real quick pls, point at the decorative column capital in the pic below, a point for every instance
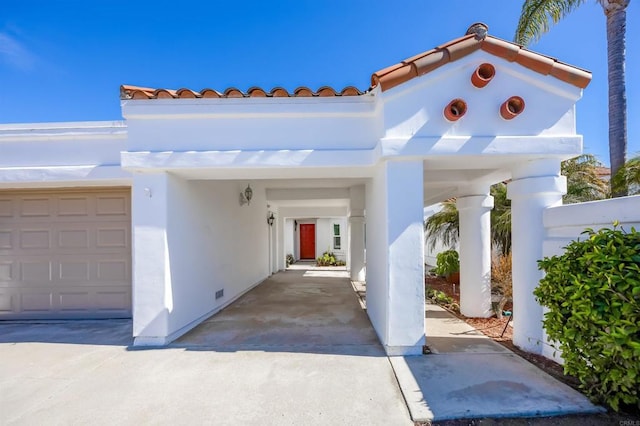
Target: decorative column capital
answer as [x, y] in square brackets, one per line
[474, 202]
[537, 186]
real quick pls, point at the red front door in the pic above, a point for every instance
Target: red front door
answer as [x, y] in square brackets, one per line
[307, 241]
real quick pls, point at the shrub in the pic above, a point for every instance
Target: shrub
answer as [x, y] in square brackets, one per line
[290, 259]
[501, 281]
[441, 298]
[593, 295]
[329, 259]
[447, 263]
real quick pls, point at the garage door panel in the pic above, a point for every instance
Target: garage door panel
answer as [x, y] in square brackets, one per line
[35, 207]
[37, 272]
[112, 237]
[35, 239]
[113, 300]
[6, 302]
[74, 301]
[6, 271]
[36, 301]
[113, 270]
[73, 206]
[73, 238]
[112, 206]
[6, 239]
[74, 271]
[65, 254]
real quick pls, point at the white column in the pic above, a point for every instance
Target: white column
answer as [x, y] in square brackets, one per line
[475, 255]
[536, 185]
[152, 295]
[395, 256]
[281, 263]
[356, 257]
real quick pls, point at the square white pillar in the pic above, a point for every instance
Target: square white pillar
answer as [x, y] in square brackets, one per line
[395, 256]
[152, 297]
[356, 258]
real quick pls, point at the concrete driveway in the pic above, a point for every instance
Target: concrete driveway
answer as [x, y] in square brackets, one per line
[325, 369]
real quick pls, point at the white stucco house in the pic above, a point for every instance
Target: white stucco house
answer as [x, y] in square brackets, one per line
[148, 217]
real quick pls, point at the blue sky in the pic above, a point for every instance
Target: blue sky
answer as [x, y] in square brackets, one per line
[65, 60]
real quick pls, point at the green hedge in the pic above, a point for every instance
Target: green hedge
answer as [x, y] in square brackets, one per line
[593, 295]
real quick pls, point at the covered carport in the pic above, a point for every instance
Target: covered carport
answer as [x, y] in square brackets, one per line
[314, 308]
[448, 122]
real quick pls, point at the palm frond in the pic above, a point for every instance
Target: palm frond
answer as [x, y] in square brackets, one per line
[537, 15]
[628, 177]
[443, 226]
[583, 182]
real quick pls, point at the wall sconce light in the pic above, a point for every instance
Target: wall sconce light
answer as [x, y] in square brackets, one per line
[245, 197]
[270, 218]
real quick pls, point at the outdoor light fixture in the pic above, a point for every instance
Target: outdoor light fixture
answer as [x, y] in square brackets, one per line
[270, 218]
[245, 197]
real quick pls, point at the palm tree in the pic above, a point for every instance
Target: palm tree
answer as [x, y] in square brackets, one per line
[501, 219]
[443, 226]
[629, 175]
[583, 182]
[534, 21]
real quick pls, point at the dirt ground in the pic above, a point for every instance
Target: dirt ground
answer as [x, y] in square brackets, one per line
[498, 330]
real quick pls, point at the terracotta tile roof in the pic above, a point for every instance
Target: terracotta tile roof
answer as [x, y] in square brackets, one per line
[135, 92]
[476, 38]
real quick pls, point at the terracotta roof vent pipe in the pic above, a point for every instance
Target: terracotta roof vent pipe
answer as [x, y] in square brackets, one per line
[512, 107]
[479, 29]
[483, 75]
[455, 110]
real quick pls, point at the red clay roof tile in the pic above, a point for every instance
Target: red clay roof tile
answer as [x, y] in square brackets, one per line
[394, 75]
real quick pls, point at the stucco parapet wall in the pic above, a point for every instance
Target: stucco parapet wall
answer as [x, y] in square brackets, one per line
[352, 106]
[624, 209]
[58, 176]
[536, 186]
[63, 130]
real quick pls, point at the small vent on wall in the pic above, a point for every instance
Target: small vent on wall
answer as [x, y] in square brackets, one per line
[219, 294]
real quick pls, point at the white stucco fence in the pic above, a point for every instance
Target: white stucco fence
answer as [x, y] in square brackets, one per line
[564, 224]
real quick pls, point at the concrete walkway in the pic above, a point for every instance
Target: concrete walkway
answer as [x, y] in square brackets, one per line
[468, 375]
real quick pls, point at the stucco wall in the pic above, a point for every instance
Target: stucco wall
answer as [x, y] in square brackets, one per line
[276, 123]
[377, 244]
[324, 237]
[564, 224]
[63, 154]
[289, 240]
[212, 244]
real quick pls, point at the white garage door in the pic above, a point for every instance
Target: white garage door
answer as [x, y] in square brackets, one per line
[65, 254]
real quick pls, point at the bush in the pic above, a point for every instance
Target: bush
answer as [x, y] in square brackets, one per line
[442, 299]
[290, 259]
[447, 263]
[329, 259]
[501, 281]
[593, 295]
